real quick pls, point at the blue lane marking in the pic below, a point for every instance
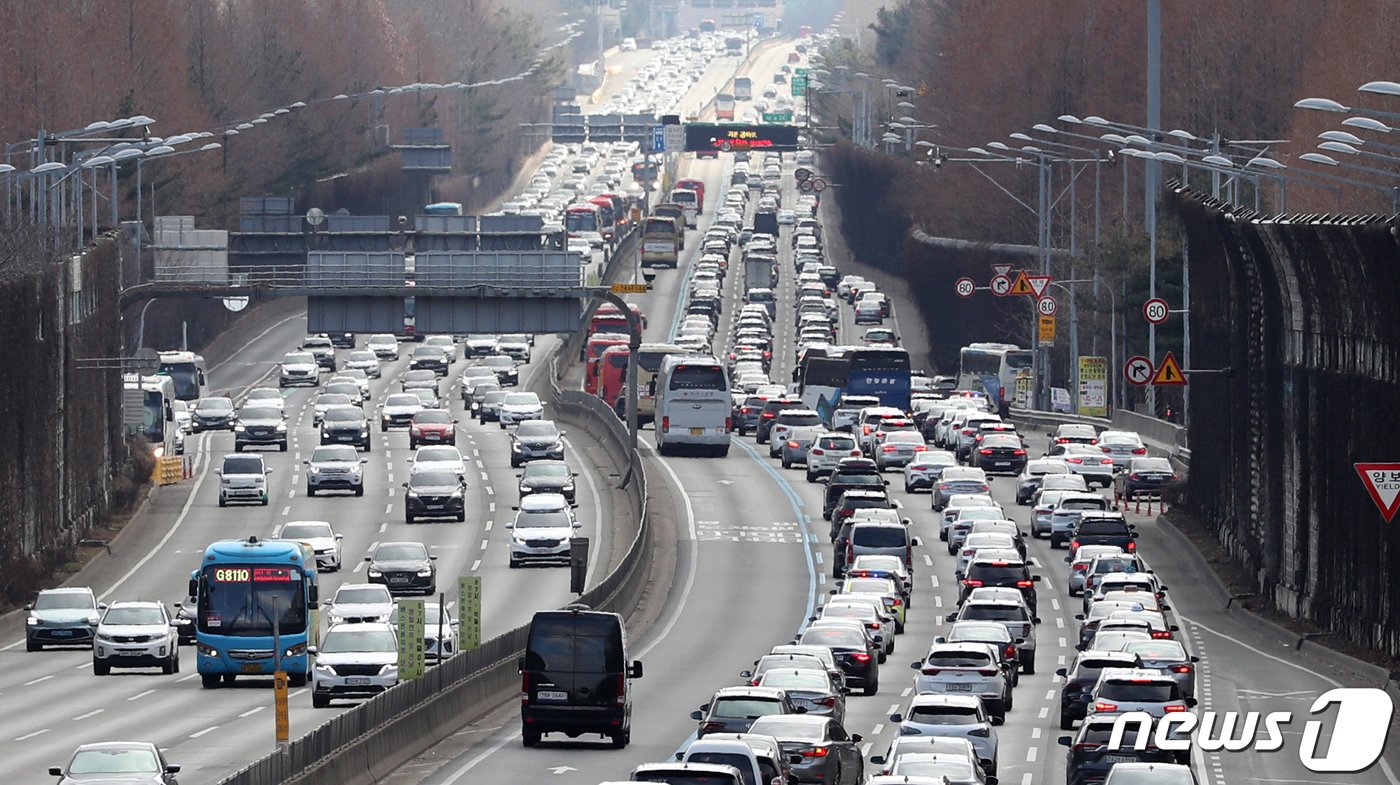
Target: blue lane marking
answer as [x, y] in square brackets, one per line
[807, 537]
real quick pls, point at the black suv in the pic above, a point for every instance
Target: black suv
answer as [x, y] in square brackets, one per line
[429, 358]
[999, 452]
[857, 499]
[1104, 528]
[1000, 571]
[345, 425]
[322, 349]
[769, 414]
[1080, 678]
[851, 475]
[1089, 758]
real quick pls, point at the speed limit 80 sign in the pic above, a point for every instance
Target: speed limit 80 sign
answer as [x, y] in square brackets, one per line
[1155, 311]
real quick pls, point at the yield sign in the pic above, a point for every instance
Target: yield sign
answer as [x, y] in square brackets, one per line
[1001, 269]
[1382, 481]
[1038, 284]
[1169, 373]
[1021, 285]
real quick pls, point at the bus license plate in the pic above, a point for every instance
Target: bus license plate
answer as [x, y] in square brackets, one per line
[552, 695]
[252, 667]
[697, 431]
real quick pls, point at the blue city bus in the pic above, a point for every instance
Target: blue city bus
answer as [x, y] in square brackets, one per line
[882, 372]
[240, 587]
[443, 208]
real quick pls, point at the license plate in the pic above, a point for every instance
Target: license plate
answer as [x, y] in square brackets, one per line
[252, 667]
[398, 579]
[1118, 759]
[1002, 463]
[356, 681]
[552, 695]
[960, 687]
[62, 633]
[697, 431]
[434, 506]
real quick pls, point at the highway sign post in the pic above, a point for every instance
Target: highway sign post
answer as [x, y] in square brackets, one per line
[469, 611]
[412, 615]
[805, 186]
[965, 287]
[1382, 481]
[1155, 310]
[818, 184]
[777, 117]
[280, 713]
[1137, 370]
[674, 138]
[1000, 285]
[1046, 306]
[1169, 373]
[1021, 286]
[658, 138]
[798, 85]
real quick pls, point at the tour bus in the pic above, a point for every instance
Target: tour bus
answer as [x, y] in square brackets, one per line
[662, 239]
[607, 215]
[158, 425]
[608, 319]
[992, 367]
[593, 356]
[650, 356]
[443, 208]
[241, 588]
[582, 218]
[882, 372]
[186, 372]
[724, 106]
[611, 377]
[693, 405]
[689, 202]
[743, 88]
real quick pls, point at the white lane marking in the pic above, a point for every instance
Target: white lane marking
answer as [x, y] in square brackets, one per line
[286, 510]
[485, 476]
[488, 525]
[251, 711]
[295, 693]
[1045, 581]
[894, 707]
[159, 547]
[92, 713]
[1049, 694]
[188, 678]
[490, 491]
[359, 565]
[80, 667]
[36, 681]
[1059, 622]
[937, 602]
[1054, 603]
[928, 560]
[1044, 712]
[31, 735]
[1035, 733]
[383, 527]
[484, 543]
[905, 692]
[476, 565]
[818, 557]
[1026, 778]
[1030, 754]
[878, 729]
[209, 729]
[490, 506]
[292, 494]
[140, 695]
[390, 490]
[934, 579]
[821, 577]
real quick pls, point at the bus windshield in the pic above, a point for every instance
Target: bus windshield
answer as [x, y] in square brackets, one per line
[243, 599]
[185, 376]
[581, 220]
[153, 416]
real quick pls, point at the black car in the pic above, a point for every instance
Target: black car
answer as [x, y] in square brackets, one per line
[184, 616]
[131, 763]
[212, 414]
[429, 358]
[322, 349]
[854, 653]
[999, 452]
[342, 340]
[507, 373]
[1104, 528]
[733, 709]
[575, 676]
[404, 567]
[548, 476]
[746, 414]
[1080, 678]
[857, 499]
[1144, 477]
[345, 425]
[535, 439]
[1001, 571]
[851, 477]
[769, 415]
[434, 495]
[262, 426]
[1089, 758]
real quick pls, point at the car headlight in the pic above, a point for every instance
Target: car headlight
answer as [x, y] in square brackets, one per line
[389, 670]
[364, 431]
[239, 428]
[313, 470]
[373, 573]
[92, 621]
[559, 445]
[457, 494]
[568, 488]
[32, 621]
[425, 572]
[412, 494]
[296, 651]
[205, 650]
[103, 637]
[325, 670]
[282, 427]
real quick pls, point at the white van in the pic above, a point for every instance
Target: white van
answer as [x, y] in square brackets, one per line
[690, 204]
[243, 478]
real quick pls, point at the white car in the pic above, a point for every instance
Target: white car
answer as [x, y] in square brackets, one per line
[354, 650]
[298, 368]
[787, 218]
[827, 451]
[324, 541]
[439, 458]
[518, 406]
[923, 471]
[135, 635]
[260, 397]
[1122, 447]
[356, 603]
[398, 410]
[384, 346]
[366, 361]
[542, 530]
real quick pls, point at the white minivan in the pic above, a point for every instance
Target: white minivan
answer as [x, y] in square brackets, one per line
[243, 478]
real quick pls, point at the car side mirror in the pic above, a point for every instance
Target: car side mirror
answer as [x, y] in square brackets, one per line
[635, 671]
[267, 471]
[29, 607]
[577, 525]
[219, 472]
[1135, 535]
[510, 526]
[940, 639]
[1191, 703]
[991, 779]
[1035, 579]
[432, 558]
[172, 768]
[1062, 673]
[746, 674]
[1064, 741]
[1068, 560]
[697, 716]
[1195, 659]
[916, 665]
[364, 460]
[102, 606]
[1173, 627]
[916, 541]
[404, 484]
[1162, 590]
[57, 771]
[312, 649]
[1079, 617]
[878, 760]
[950, 618]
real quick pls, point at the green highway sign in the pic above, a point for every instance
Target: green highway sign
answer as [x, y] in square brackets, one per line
[801, 71]
[799, 85]
[777, 117]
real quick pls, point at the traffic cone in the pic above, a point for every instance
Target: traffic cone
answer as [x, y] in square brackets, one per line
[1137, 505]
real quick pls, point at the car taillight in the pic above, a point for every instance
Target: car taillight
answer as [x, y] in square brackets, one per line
[1074, 460]
[712, 727]
[1134, 476]
[986, 450]
[1080, 567]
[1104, 448]
[987, 671]
[769, 415]
[1074, 545]
[1132, 546]
[972, 582]
[920, 448]
[1173, 708]
[978, 438]
[728, 423]
[968, 551]
[889, 448]
[1140, 451]
[967, 432]
[815, 752]
[817, 451]
[1061, 440]
[828, 702]
[896, 602]
[1024, 584]
[1018, 452]
[872, 625]
[930, 671]
[746, 410]
[855, 453]
[621, 699]
[524, 688]
[861, 657]
[1009, 652]
[1105, 706]
[665, 423]
[1105, 461]
[1181, 669]
[865, 430]
[1161, 634]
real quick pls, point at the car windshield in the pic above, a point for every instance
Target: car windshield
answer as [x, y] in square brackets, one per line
[554, 519]
[114, 761]
[360, 357]
[401, 552]
[333, 399]
[959, 659]
[298, 358]
[978, 633]
[1157, 650]
[546, 470]
[343, 640]
[498, 362]
[802, 419]
[383, 340]
[993, 613]
[1122, 440]
[403, 399]
[1138, 691]
[521, 399]
[876, 562]
[344, 414]
[683, 778]
[63, 601]
[833, 637]
[434, 454]
[306, 531]
[997, 574]
[432, 416]
[1103, 527]
[362, 595]
[960, 769]
[420, 375]
[133, 615]
[746, 707]
[234, 464]
[1152, 465]
[215, 405]
[537, 428]
[260, 413]
[879, 537]
[740, 762]
[789, 729]
[432, 480]
[335, 454]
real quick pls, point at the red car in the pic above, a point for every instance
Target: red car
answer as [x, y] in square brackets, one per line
[432, 426]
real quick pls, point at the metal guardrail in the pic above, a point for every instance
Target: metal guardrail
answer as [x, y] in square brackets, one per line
[367, 742]
[1168, 436]
[443, 274]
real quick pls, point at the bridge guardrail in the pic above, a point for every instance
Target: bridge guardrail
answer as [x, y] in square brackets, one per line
[1168, 437]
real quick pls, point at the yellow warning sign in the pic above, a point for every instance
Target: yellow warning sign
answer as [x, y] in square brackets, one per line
[923, 88]
[1021, 285]
[1169, 373]
[629, 288]
[1047, 331]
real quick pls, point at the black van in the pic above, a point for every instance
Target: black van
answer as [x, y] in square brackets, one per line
[575, 676]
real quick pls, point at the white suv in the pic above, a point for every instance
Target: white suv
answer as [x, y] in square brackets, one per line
[518, 406]
[135, 635]
[543, 529]
[354, 661]
[243, 478]
[828, 450]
